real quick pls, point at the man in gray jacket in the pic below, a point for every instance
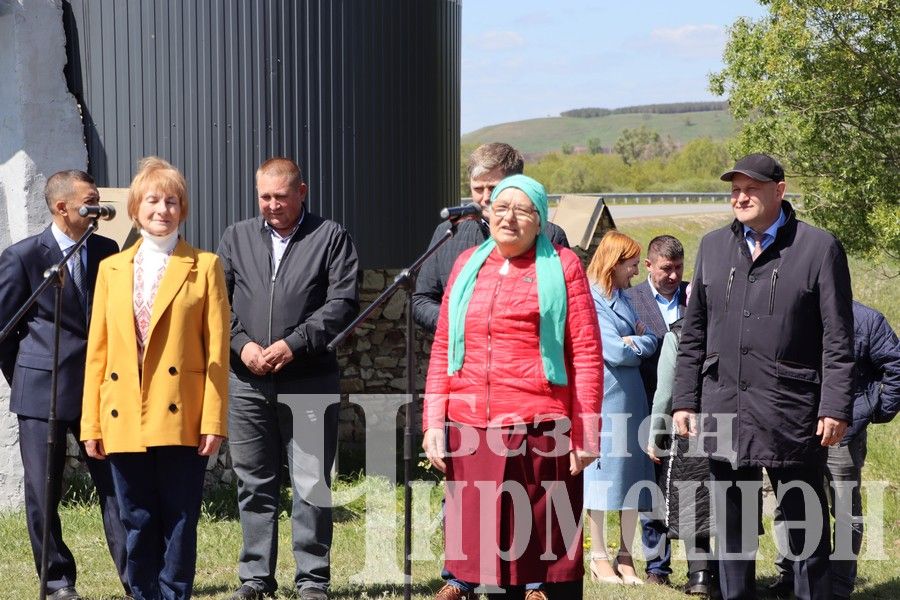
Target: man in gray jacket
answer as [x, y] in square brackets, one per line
[767, 354]
[292, 283]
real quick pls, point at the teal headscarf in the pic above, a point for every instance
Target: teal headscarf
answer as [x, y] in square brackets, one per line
[551, 290]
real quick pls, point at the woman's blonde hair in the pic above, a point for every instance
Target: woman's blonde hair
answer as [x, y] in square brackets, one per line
[613, 248]
[156, 174]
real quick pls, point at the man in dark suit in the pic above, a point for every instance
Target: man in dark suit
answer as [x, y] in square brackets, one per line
[658, 302]
[26, 359]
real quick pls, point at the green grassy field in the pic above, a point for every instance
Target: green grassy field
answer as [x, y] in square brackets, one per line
[539, 136]
[364, 569]
[368, 539]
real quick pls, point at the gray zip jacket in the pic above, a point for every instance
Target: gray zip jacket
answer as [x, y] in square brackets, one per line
[310, 298]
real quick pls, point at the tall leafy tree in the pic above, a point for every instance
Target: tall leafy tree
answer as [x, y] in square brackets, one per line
[642, 143]
[595, 145]
[817, 83]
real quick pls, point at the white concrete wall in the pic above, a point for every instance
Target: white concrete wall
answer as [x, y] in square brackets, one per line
[40, 133]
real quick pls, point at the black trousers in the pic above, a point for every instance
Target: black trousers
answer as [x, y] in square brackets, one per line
[697, 555]
[33, 448]
[738, 517]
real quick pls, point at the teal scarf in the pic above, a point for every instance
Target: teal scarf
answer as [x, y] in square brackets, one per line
[551, 290]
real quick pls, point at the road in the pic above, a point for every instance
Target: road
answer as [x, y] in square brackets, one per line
[629, 211]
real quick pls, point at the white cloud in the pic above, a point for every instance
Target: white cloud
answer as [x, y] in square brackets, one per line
[494, 41]
[690, 40]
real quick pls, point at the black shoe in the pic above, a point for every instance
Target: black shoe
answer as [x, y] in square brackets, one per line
[782, 587]
[248, 592]
[313, 593]
[66, 593]
[698, 584]
[657, 579]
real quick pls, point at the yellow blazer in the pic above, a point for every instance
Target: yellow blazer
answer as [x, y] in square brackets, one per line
[184, 389]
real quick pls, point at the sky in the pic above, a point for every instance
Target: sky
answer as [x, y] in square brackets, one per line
[526, 59]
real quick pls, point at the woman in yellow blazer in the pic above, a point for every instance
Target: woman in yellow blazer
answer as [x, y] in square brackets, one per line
[156, 382]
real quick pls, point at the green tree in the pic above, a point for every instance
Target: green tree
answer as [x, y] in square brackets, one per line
[595, 146]
[642, 143]
[568, 148]
[700, 158]
[817, 84]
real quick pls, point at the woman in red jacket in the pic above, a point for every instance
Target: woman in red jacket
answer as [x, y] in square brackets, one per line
[516, 376]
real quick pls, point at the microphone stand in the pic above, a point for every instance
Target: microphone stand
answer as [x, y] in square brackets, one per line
[55, 276]
[406, 280]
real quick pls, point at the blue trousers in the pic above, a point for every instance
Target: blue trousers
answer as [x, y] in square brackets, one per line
[159, 494]
[657, 548]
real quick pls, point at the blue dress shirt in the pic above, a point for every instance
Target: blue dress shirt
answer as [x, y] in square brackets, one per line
[768, 236]
[669, 308]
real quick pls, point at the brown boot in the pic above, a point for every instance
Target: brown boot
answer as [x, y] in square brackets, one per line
[451, 592]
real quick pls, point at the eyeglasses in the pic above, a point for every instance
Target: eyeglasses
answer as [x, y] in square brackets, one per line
[522, 213]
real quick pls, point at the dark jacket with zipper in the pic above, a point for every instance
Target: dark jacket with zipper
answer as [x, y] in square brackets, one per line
[306, 302]
[876, 384]
[769, 341]
[435, 271]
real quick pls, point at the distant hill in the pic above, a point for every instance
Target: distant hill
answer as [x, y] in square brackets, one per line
[671, 107]
[535, 137]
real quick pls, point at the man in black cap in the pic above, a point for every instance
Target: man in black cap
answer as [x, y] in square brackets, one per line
[766, 354]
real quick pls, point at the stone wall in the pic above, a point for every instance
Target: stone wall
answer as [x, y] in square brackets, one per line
[40, 134]
[373, 360]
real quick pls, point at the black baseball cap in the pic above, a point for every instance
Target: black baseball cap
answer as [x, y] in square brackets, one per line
[760, 167]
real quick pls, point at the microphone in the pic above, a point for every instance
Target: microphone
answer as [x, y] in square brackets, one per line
[473, 209]
[105, 212]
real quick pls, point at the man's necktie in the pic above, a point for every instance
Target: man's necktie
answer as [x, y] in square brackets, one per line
[757, 245]
[77, 271]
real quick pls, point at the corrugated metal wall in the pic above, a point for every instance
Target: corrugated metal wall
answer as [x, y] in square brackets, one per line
[363, 93]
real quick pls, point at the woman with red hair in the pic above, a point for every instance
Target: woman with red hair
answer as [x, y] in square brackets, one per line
[618, 480]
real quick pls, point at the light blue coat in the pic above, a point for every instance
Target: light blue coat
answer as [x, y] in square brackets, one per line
[622, 462]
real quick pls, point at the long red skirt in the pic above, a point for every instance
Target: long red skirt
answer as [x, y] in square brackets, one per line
[513, 513]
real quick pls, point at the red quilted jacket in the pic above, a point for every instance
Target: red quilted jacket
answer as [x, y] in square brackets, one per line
[502, 378]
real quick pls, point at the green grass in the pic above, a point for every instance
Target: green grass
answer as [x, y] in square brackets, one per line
[539, 136]
[375, 559]
[379, 556]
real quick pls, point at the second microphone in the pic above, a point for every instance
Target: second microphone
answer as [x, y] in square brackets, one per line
[473, 209]
[105, 212]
